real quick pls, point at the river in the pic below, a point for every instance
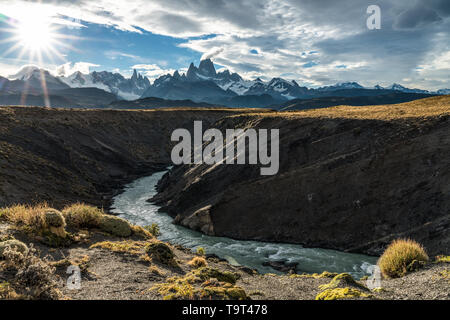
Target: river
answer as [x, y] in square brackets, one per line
[132, 205]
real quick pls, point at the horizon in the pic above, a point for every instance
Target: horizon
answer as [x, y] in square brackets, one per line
[55, 73]
[314, 46]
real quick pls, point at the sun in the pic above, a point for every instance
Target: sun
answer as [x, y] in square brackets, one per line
[35, 35]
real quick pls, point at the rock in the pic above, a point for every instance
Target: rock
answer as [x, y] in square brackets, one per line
[248, 270]
[282, 266]
[13, 244]
[334, 189]
[116, 226]
[199, 220]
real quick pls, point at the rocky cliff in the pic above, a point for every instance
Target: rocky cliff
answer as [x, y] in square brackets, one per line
[63, 156]
[350, 178]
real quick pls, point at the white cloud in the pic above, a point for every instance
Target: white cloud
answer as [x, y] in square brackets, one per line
[152, 71]
[69, 68]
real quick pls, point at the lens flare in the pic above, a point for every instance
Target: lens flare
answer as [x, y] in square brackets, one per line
[35, 35]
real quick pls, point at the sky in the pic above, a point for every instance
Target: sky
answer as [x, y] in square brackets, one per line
[315, 42]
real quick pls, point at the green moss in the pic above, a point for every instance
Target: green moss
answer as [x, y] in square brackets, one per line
[234, 293]
[115, 226]
[445, 274]
[198, 285]
[341, 293]
[322, 275]
[153, 229]
[206, 273]
[442, 259]
[342, 280]
[131, 247]
[55, 240]
[201, 251]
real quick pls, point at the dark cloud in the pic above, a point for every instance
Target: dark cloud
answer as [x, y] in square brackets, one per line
[420, 15]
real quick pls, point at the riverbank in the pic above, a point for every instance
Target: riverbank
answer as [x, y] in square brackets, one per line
[266, 257]
[139, 266]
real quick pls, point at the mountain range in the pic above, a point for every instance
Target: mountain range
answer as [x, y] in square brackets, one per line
[201, 85]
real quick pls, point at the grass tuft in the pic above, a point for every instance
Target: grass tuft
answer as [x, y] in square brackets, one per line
[198, 262]
[80, 215]
[402, 256]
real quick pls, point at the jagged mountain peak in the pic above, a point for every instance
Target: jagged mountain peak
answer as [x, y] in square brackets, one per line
[207, 68]
[27, 72]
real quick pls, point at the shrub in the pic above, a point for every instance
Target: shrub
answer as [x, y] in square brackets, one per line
[401, 256]
[131, 247]
[55, 222]
[161, 252]
[27, 215]
[141, 232]
[201, 251]
[198, 262]
[40, 219]
[153, 229]
[13, 245]
[115, 226]
[34, 278]
[82, 216]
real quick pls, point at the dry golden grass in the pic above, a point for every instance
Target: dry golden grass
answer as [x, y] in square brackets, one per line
[32, 216]
[128, 246]
[398, 257]
[422, 108]
[198, 262]
[82, 216]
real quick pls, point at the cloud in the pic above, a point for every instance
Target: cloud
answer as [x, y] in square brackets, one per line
[283, 33]
[152, 71]
[70, 68]
[212, 53]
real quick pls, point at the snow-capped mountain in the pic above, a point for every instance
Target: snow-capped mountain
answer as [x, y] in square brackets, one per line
[128, 89]
[443, 91]
[205, 84]
[342, 86]
[220, 85]
[199, 84]
[399, 87]
[32, 76]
